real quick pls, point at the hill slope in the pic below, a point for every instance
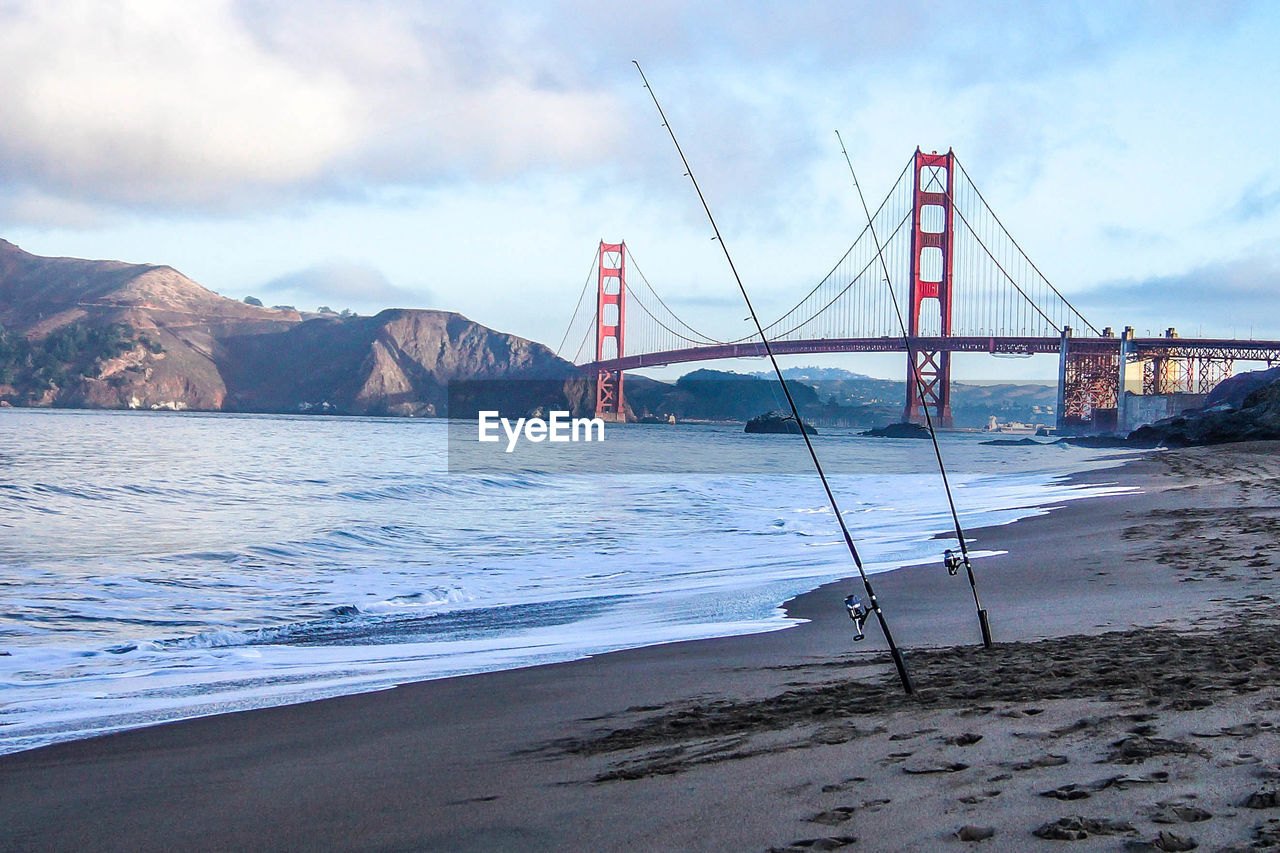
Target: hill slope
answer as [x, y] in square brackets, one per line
[160, 340]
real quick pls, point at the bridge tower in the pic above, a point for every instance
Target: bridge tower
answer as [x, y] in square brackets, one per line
[611, 317]
[932, 241]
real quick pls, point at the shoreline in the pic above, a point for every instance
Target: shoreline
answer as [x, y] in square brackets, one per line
[98, 714]
[462, 763]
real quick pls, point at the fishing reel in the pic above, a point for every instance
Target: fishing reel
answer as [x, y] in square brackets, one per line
[953, 561]
[858, 613]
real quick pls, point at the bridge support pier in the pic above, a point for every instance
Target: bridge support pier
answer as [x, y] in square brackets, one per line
[611, 317]
[1090, 377]
[933, 390]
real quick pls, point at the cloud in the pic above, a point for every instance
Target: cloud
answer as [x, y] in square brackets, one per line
[1256, 203]
[344, 284]
[33, 207]
[221, 107]
[158, 104]
[210, 106]
[1225, 298]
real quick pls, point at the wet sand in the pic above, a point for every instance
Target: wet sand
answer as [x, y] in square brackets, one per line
[1132, 702]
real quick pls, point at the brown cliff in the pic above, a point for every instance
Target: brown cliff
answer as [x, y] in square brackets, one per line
[211, 353]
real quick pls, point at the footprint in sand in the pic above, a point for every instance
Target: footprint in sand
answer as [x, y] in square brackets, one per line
[911, 735]
[472, 800]
[1078, 828]
[1266, 836]
[976, 711]
[1263, 799]
[966, 739]
[833, 842]
[842, 785]
[1178, 812]
[1138, 748]
[1047, 760]
[975, 833]
[1069, 792]
[1243, 730]
[833, 817]
[923, 768]
[1164, 842]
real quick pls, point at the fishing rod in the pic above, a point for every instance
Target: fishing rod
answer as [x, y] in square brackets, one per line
[857, 611]
[950, 559]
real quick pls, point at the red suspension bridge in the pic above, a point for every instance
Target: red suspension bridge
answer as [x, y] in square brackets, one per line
[964, 284]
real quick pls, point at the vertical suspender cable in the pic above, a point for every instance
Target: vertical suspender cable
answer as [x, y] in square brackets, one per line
[928, 419]
[898, 661]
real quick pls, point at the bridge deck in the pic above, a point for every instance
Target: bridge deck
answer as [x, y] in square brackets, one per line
[1173, 347]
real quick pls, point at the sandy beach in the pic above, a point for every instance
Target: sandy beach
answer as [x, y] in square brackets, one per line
[1132, 702]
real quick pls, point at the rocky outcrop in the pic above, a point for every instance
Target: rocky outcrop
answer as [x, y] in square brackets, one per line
[211, 353]
[904, 430]
[1257, 419]
[1232, 390]
[1013, 442]
[778, 423]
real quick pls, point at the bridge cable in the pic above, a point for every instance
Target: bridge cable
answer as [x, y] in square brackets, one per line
[1043, 277]
[586, 335]
[898, 660]
[833, 271]
[950, 562]
[668, 329]
[585, 287]
[705, 337]
[842, 292]
[1005, 272]
[933, 180]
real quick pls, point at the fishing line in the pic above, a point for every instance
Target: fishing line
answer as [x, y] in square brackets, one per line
[854, 606]
[952, 561]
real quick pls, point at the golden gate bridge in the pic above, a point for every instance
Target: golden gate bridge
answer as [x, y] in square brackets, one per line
[967, 286]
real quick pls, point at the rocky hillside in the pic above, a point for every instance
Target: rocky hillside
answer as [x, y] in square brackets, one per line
[399, 362]
[175, 344]
[1256, 417]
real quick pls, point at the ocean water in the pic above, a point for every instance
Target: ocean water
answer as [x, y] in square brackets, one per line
[156, 566]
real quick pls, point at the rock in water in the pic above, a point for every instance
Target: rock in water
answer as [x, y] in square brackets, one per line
[1094, 441]
[777, 422]
[904, 430]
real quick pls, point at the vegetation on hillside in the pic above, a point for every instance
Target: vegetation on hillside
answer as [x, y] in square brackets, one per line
[64, 357]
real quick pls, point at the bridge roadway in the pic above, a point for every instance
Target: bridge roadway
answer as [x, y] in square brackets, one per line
[1240, 350]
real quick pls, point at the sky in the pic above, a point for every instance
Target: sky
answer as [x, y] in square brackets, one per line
[469, 156]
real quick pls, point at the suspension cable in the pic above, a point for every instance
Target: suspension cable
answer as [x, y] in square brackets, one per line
[898, 660]
[586, 285]
[834, 268]
[845, 290]
[1003, 271]
[654, 318]
[920, 390]
[704, 337]
[1043, 277]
